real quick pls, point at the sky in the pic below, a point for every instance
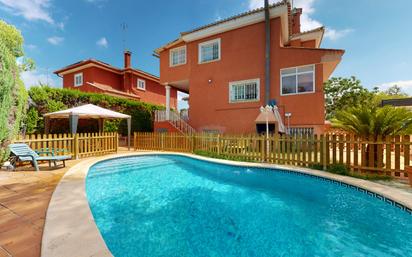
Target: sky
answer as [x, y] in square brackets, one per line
[376, 34]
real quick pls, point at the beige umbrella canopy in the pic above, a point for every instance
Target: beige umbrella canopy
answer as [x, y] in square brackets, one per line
[273, 117]
[88, 111]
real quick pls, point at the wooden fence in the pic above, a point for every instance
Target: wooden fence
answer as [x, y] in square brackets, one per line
[78, 145]
[385, 156]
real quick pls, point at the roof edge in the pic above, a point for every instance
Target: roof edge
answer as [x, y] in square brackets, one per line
[319, 29]
[231, 18]
[274, 5]
[105, 65]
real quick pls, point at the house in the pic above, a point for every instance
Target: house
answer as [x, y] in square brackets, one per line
[222, 68]
[99, 77]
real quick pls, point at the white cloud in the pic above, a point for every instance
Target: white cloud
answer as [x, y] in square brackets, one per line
[218, 17]
[334, 35]
[30, 46]
[254, 4]
[60, 25]
[34, 78]
[181, 95]
[306, 20]
[102, 42]
[55, 40]
[405, 85]
[98, 3]
[29, 9]
[182, 104]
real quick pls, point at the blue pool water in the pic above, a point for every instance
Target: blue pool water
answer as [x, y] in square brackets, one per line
[169, 205]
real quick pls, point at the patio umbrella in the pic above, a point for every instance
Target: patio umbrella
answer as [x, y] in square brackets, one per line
[88, 111]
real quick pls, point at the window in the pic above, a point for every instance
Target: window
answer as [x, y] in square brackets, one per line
[141, 84]
[298, 80]
[296, 131]
[244, 91]
[78, 79]
[211, 131]
[209, 51]
[178, 56]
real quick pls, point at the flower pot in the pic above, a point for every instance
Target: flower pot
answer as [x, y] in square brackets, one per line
[409, 171]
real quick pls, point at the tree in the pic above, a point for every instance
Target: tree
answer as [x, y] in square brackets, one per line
[13, 95]
[372, 123]
[343, 93]
[375, 121]
[31, 120]
[395, 90]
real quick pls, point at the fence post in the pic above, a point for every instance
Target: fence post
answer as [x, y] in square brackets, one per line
[218, 144]
[162, 146]
[135, 141]
[262, 148]
[76, 146]
[117, 142]
[324, 152]
[193, 143]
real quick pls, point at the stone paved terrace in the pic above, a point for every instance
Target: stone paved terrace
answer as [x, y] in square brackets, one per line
[24, 197]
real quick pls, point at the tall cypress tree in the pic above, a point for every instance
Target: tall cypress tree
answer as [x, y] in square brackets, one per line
[13, 95]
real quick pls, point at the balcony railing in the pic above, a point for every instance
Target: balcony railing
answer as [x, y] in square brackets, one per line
[175, 120]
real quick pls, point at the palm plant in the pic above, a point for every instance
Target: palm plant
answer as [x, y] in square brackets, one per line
[371, 122]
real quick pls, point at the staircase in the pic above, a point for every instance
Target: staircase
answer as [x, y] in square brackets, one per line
[175, 120]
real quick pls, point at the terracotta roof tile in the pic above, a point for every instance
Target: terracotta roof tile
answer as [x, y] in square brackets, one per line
[308, 32]
[106, 65]
[281, 3]
[110, 90]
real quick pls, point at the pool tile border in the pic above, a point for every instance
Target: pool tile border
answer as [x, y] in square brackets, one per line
[362, 190]
[70, 229]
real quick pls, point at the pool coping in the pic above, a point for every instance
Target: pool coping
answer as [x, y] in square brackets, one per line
[70, 229]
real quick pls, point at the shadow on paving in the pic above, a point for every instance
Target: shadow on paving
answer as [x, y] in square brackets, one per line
[24, 198]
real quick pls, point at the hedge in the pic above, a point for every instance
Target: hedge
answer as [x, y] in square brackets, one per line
[48, 99]
[13, 95]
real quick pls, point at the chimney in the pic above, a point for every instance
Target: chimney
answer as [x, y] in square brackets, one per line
[296, 12]
[127, 59]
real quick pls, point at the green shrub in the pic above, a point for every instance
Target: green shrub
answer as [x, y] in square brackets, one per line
[340, 169]
[32, 119]
[220, 156]
[371, 176]
[48, 99]
[316, 166]
[13, 94]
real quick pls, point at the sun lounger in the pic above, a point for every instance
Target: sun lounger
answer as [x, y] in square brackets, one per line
[24, 153]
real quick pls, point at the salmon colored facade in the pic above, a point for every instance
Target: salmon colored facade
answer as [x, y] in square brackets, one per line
[241, 61]
[99, 77]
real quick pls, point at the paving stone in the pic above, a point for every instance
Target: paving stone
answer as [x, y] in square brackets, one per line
[24, 198]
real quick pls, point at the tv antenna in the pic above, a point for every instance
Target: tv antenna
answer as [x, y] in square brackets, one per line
[124, 32]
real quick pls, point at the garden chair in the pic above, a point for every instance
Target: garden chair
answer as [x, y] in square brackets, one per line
[24, 153]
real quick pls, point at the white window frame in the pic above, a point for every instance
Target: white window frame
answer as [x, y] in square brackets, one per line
[138, 84]
[297, 82]
[233, 83]
[75, 79]
[171, 51]
[208, 43]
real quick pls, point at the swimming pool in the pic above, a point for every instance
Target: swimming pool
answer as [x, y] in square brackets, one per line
[168, 205]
